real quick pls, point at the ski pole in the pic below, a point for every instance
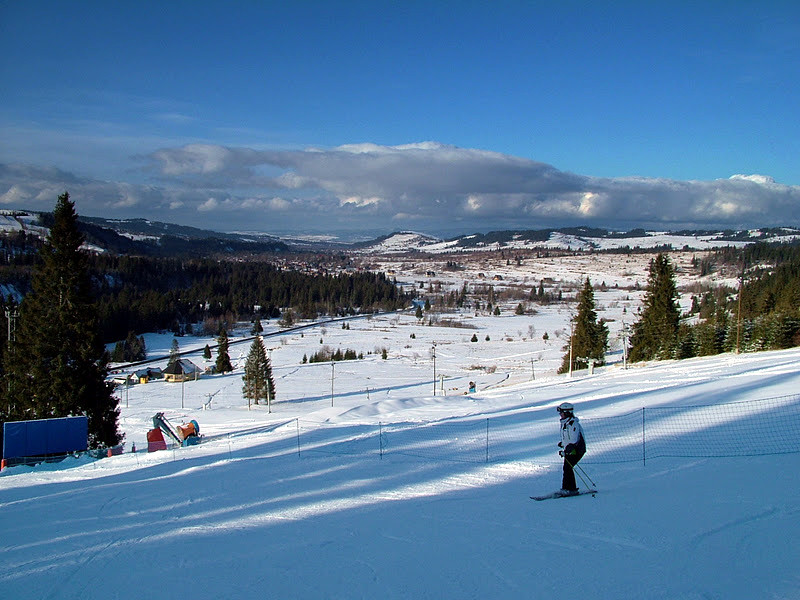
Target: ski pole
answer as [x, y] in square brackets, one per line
[587, 475]
[578, 472]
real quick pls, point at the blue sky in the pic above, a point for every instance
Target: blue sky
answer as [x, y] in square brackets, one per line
[443, 117]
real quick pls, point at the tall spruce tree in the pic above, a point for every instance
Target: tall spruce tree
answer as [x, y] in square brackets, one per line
[135, 347]
[223, 362]
[130, 349]
[174, 352]
[589, 336]
[257, 381]
[59, 363]
[655, 334]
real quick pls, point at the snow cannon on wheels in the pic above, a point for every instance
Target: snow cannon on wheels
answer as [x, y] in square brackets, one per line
[190, 433]
[187, 434]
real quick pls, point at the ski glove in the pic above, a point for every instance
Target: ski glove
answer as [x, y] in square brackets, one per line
[570, 450]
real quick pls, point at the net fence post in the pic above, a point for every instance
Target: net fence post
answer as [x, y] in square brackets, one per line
[298, 436]
[487, 440]
[644, 440]
[380, 437]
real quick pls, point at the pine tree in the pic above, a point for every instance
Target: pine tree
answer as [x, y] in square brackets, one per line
[655, 334]
[223, 362]
[287, 318]
[135, 347]
[60, 364]
[129, 350]
[589, 337]
[174, 352]
[118, 354]
[257, 381]
[257, 327]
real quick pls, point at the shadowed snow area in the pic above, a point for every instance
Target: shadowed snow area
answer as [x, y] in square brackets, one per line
[393, 492]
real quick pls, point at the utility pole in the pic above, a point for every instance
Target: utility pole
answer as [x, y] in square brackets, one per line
[739, 309]
[433, 354]
[11, 315]
[333, 367]
[266, 381]
[571, 331]
[624, 345]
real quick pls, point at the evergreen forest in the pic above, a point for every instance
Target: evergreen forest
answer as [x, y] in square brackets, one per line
[140, 294]
[134, 294]
[763, 313]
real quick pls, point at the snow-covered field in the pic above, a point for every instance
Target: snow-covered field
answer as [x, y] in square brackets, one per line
[344, 515]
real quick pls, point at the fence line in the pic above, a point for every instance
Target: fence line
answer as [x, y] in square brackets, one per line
[748, 428]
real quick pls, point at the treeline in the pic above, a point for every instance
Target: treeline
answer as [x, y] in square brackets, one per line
[54, 363]
[772, 280]
[147, 294]
[766, 317]
[328, 355]
[762, 313]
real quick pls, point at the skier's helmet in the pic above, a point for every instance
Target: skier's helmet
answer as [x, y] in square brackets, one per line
[565, 407]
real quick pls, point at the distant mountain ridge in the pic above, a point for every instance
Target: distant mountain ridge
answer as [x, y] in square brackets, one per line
[575, 238]
[143, 236]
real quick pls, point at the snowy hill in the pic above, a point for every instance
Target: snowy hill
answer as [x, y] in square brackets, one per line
[12, 221]
[398, 242]
[575, 238]
[361, 483]
[156, 237]
[146, 237]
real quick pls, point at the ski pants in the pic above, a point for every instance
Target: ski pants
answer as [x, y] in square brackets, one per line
[568, 480]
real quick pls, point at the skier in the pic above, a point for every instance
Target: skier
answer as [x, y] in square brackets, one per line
[573, 446]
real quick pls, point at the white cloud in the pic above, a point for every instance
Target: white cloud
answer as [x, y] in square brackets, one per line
[193, 158]
[279, 204]
[361, 202]
[128, 197]
[14, 195]
[763, 179]
[210, 204]
[368, 186]
[276, 203]
[590, 205]
[474, 203]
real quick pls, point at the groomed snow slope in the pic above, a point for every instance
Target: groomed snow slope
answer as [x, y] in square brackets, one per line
[247, 517]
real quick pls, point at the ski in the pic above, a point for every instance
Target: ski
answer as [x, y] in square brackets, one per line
[560, 494]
